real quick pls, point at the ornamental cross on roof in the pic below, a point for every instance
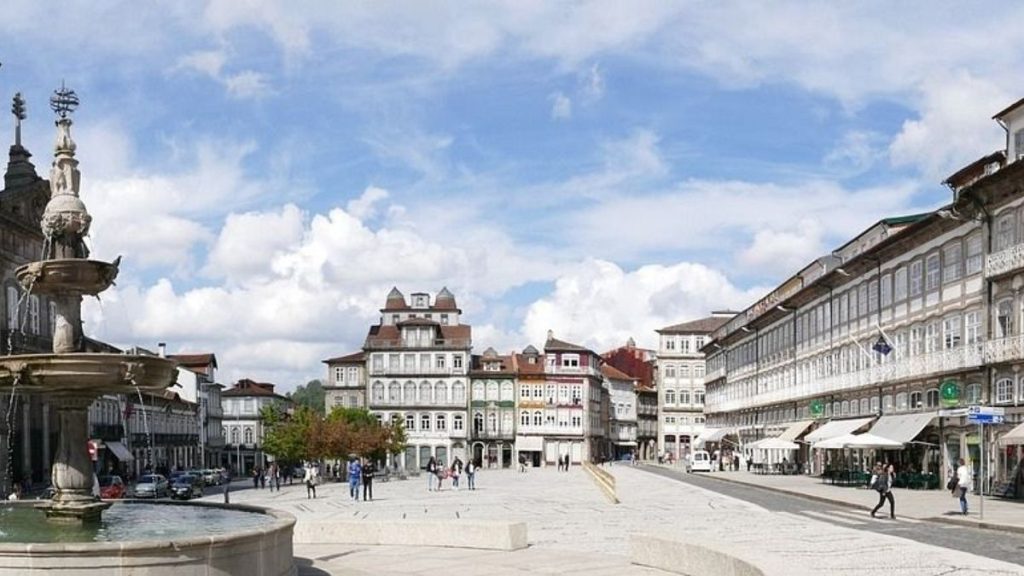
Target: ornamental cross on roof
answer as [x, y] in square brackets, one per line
[64, 101]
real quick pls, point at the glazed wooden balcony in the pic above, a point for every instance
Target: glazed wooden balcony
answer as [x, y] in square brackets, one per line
[1005, 262]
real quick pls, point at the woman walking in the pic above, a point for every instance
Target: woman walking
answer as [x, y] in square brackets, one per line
[431, 474]
[368, 471]
[881, 481]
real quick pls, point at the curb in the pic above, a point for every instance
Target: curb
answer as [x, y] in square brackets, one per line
[936, 519]
[604, 480]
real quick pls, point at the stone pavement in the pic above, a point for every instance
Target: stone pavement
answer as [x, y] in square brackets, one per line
[934, 505]
[573, 528]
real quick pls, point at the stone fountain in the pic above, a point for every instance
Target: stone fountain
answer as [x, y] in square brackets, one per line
[131, 538]
[71, 378]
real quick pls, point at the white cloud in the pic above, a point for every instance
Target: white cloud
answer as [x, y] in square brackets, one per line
[592, 83]
[365, 207]
[856, 153]
[600, 305]
[776, 250]
[243, 84]
[561, 106]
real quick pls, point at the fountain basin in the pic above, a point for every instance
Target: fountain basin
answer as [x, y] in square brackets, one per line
[67, 276]
[166, 538]
[86, 374]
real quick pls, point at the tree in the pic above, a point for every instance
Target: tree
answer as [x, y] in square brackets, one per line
[306, 435]
[310, 395]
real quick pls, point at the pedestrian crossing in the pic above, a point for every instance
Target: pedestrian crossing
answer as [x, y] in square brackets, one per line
[851, 518]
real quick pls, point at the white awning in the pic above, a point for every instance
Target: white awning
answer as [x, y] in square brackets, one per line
[712, 435]
[120, 452]
[795, 430]
[1014, 437]
[857, 441]
[836, 428]
[902, 428]
[529, 443]
[776, 444]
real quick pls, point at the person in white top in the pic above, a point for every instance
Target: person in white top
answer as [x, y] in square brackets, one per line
[964, 482]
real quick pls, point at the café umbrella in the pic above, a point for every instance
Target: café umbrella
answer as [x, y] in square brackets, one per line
[861, 441]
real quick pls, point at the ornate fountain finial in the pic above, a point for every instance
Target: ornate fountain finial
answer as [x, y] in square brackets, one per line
[65, 220]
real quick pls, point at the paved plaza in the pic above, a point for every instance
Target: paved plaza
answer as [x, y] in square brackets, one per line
[573, 528]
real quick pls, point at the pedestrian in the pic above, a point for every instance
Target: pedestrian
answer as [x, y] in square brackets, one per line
[275, 476]
[263, 478]
[522, 463]
[456, 472]
[309, 477]
[881, 482]
[368, 470]
[471, 474]
[255, 477]
[442, 473]
[568, 463]
[355, 473]
[431, 473]
[964, 482]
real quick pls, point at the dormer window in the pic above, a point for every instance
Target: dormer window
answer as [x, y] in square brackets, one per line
[570, 361]
[444, 319]
[419, 300]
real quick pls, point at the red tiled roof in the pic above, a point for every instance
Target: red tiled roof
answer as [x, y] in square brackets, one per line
[200, 360]
[524, 366]
[702, 326]
[246, 387]
[354, 358]
[613, 372]
[386, 333]
[561, 345]
[395, 300]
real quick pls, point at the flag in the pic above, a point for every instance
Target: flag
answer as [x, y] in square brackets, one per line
[882, 346]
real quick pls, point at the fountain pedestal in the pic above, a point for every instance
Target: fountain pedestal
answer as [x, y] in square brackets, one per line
[72, 472]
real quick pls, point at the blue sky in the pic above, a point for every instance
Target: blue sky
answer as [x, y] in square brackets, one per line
[269, 170]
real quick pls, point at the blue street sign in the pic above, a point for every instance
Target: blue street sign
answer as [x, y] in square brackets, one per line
[985, 418]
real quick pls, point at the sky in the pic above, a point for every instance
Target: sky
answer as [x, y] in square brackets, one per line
[268, 170]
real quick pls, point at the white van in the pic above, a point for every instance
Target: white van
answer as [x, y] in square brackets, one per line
[699, 461]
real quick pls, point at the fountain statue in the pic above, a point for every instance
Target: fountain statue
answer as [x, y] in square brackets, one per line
[71, 378]
[155, 539]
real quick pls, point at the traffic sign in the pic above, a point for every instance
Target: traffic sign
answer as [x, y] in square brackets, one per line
[953, 412]
[986, 418]
[986, 410]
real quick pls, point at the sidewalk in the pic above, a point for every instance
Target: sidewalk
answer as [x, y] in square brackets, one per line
[931, 505]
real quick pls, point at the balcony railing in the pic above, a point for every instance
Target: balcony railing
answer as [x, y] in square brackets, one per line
[435, 343]
[926, 365]
[1004, 261]
[1005, 349]
[410, 371]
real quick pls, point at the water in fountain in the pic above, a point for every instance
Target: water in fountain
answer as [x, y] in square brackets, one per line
[145, 426]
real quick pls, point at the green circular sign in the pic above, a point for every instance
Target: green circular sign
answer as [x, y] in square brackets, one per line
[949, 391]
[817, 408]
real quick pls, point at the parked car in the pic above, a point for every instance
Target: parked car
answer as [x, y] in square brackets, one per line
[699, 461]
[199, 475]
[151, 486]
[111, 487]
[186, 487]
[211, 477]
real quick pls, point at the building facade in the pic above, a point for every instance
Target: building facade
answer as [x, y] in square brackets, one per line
[203, 389]
[680, 384]
[492, 408]
[897, 332]
[418, 360]
[346, 382]
[243, 427]
[620, 389]
[639, 364]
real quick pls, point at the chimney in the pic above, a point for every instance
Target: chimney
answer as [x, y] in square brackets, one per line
[551, 334]
[162, 347]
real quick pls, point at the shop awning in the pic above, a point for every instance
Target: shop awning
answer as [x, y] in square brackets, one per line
[712, 435]
[857, 441]
[120, 452]
[902, 428]
[795, 430]
[836, 428]
[775, 444]
[529, 443]
[1014, 437]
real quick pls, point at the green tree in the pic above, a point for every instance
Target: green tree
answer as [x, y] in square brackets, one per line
[310, 395]
[292, 437]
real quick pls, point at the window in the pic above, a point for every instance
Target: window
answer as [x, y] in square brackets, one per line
[538, 391]
[874, 405]
[524, 419]
[698, 397]
[865, 406]
[901, 401]
[1004, 231]
[670, 371]
[698, 371]
[700, 342]
[974, 255]
[409, 363]
[862, 300]
[425, 422]
[378, 392]
[442, 423]
[1004, 319]
[932, 271]
[577, 421]
[670, 343]
[951, 332]
[234, 435]
[577, 394]
[899, 284]
[444, 319]
[916, 340]
[492, 422]
[12, 308]
[886, 290]
[538, 418]
[887, 404]
[33, 315]
[670, 396]
[457, 362]
[952, 254]
[524, 391]
[393, 360]
[972, 320]
[441, 393]
[873, 296]
[684, 396]
[248, 435]
[458, 393]
[409, 393]
[932, 398]
[974, 393]
[1018, 144]
[394, 393]
[916, 276]
[570, 360]
[1004, 391]
[931, 338]
[410, 422]
[51, 318]
[439, 361]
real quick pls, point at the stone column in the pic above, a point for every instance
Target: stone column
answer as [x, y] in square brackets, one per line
[72, 473]
[67, 332]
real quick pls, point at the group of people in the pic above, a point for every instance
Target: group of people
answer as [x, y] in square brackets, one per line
[360, 472]
[563, 463]
[437, 472]
[882, 475]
